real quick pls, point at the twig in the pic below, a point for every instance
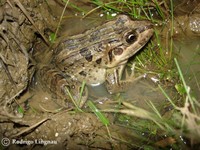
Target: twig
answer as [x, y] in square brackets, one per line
[7, 72]
[91, 11]
[37, 124]
[30, 128]
[20, 45]
[53, 111]
[58, 26]
[30, 19]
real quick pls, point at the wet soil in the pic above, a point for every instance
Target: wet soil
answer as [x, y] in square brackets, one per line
[24, 28]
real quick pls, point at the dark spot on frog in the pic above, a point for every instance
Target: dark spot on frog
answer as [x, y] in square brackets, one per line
[66, 67]
[82, 64]
[83, 73]
[98, 61]
[85, 52]
[118, 51]
[110, 56]
[89, 58]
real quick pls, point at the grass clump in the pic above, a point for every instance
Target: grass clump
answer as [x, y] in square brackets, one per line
[177, 128]
[141, 9]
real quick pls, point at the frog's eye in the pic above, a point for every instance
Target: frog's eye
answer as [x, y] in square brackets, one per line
[131, 37]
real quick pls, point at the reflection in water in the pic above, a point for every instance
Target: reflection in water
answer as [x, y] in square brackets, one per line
[140, 93]
[189, 60]
[144, 91]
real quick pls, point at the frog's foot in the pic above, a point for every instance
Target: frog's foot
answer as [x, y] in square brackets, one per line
[116, 85]
[122, 86]
[65, 89]
[130, 77]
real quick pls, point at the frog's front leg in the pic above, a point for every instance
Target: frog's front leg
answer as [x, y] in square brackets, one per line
[114, 81]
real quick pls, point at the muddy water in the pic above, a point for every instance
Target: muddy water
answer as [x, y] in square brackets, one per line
[187, 45]
[189, 60]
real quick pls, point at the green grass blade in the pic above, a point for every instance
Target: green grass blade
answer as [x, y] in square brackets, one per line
[168, 98]
[97, 112]
[52, 37]
[159, 10]
[61, 17]
[76, 7]
[172, 27]
[72, 99]
[187, 88]
[81, 93]
[20, 110]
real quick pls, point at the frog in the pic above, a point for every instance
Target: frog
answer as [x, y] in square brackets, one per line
[94, 57]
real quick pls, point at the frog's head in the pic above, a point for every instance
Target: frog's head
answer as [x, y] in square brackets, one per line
[132, 36]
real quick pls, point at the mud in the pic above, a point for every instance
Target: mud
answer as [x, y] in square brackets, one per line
[66, 130]
[18, 36]
[25, 26]
[186, 21]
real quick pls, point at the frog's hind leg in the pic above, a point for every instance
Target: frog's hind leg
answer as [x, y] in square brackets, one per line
[64, 88]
